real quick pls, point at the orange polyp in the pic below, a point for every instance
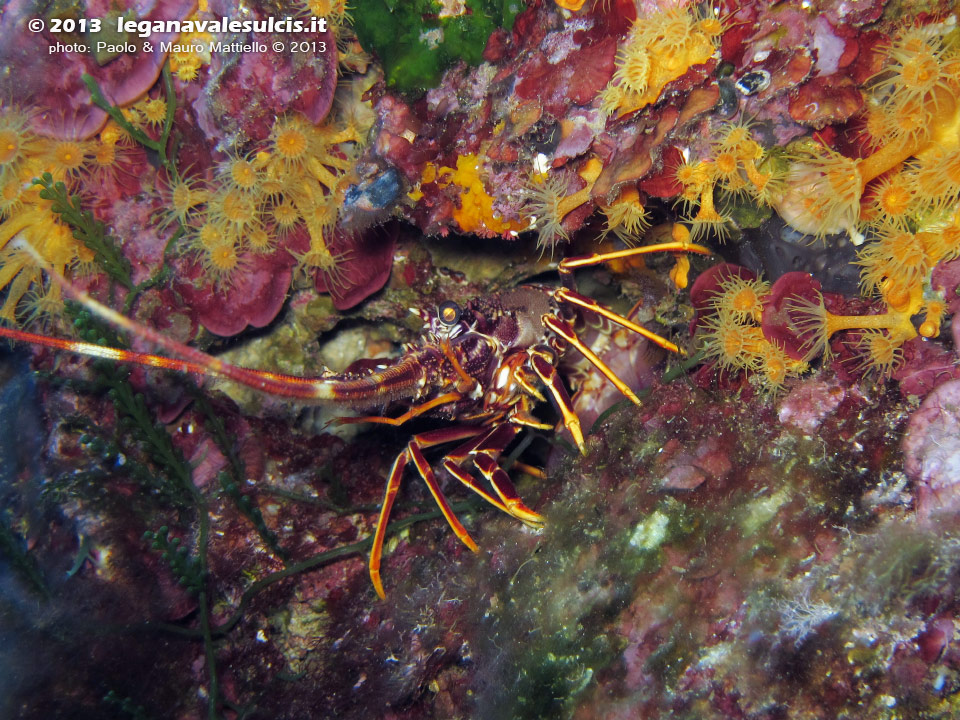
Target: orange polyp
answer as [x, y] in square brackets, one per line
[944, 105]
[930, 327]
[680, 271]
[823, 195]
[881, 350]
[896, 296]
[893, 200]
[9, 146]
[741, 297]
[693, 175]
[589, 172]
[899, 257]
[66, 158]
[659, 48]
[725, 164]
[732, 345]
[707, 217]
[627, 217]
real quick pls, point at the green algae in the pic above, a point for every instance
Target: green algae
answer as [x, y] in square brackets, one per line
[415, 44]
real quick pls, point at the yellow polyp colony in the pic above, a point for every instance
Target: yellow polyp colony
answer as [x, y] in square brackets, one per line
[732, 336]
[476, 213]
[289, 141]
[284, 216]
[297, 180]
[548, 202]
[543, 205]
[742, 298]
[740, 346]
[105, 161]
[627, 217]
[913, 113]
[186, 62]
[25, 217]
[824, 193]
[66, 158]
[17, 142]
[182, 198]
[335, 11]
[657, 50]
[222, 261]
[113, 134]
[891, 203]
[902, 198]
[738, 165]
[880, 339]
[153, 111]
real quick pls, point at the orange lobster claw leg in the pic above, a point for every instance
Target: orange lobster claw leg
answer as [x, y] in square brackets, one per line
[414, 452]
[565, 330]
[582, 301]
[547, 373]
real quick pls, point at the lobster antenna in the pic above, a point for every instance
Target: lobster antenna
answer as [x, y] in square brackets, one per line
[187, 360]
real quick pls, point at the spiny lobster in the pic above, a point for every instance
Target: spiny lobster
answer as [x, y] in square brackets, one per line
[479, 367]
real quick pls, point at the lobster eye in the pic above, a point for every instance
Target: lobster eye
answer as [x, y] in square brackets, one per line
[449, 313]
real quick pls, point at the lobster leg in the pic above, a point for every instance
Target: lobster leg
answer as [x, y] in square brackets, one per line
[408, 415]
[567, 293]
[547, 372]
[568, 265]
[485, 458]
[485, 450]
[530, 470]
[414, 451]
[426, 472]
[582, 301]
[451, 463]
[565, 330]
[393, 485]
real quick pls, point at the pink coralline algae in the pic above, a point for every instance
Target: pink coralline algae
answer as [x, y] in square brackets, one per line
[245, 91]
[931, 451]
[365, 268]
[808, 404]
[253, 300]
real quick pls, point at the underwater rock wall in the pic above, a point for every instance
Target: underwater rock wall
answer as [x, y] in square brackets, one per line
[756, 520]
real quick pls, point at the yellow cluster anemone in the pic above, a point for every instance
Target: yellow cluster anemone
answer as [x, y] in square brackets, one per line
[914, 113]
[627, 218]
[657, 50]
[548, 202]
[880, 339]
[337, 12]
[182, 197]
[150, 111]
[731, 335]
[571, 5]
[296, 180]
[737, 164]
[900, 202]
[27, 218]
[191, 52]
[17, 141]
[896, 266]
[107, 158]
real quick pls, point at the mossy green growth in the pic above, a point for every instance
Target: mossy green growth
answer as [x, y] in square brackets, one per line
[415, 45]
